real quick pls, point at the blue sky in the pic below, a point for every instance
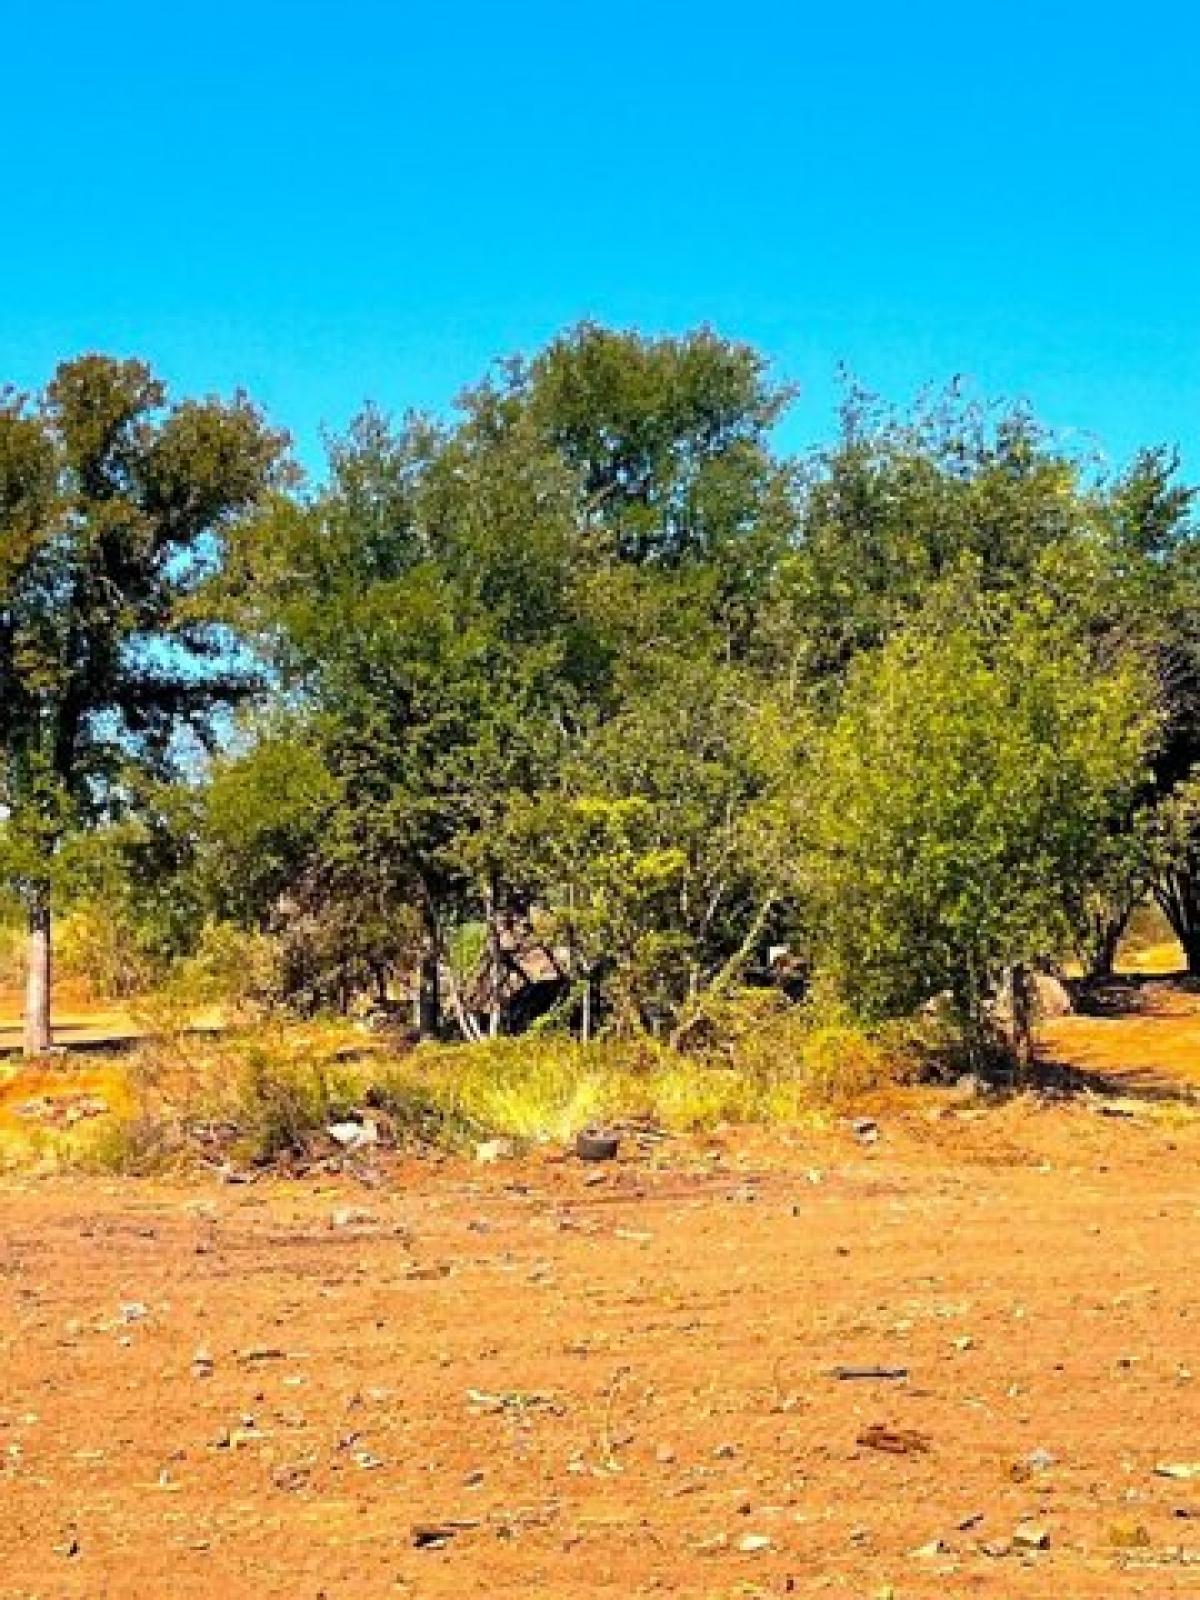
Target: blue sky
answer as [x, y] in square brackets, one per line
[329, 202]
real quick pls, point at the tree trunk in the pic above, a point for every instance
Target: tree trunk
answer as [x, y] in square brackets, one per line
[38, 1037]
[429, 988]
[1178, 893]
[429, 996]
[585, 1026]
[1021, 994]
[495, 959]
[467, 1025]
[1107, 933]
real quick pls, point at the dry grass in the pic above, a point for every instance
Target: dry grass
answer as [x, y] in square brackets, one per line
[259, 1093]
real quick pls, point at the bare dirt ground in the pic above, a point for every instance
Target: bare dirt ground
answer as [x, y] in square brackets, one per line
[540, 1378]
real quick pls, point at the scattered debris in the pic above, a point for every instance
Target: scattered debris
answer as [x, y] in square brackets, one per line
[894, 1441]
[489, 1151]
[1127, 1110]
[711, 1545]
[354, 1135]
[512, 1401]
[1038, 1460]
[928, 1552]
[436, 1535]
[258, 1353]
[239, 1438]
[351, 1217]
[597, 1144]
[65, 1109]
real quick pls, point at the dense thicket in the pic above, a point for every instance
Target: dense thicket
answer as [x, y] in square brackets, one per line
[577, 706]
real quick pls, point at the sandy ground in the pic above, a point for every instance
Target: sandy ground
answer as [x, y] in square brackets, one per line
[540, 1378]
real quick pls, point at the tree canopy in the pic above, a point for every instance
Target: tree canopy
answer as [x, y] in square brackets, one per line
[589, 694]
[114, 510]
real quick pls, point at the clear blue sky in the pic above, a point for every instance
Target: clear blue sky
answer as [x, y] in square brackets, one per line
[325, 202]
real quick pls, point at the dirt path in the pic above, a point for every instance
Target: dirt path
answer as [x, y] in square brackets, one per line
[620, 1381]
[211, 1391]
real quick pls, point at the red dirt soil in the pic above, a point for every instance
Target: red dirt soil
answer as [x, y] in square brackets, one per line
[213, 1390]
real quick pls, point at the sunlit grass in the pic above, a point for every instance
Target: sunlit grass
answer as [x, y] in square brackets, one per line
[276, 1087]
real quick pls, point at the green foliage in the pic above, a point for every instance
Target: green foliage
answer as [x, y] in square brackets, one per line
[959, 802]
[114, 514]
[589, 665]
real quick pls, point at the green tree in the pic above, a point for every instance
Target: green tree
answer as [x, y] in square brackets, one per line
[956, 810]
[453, 610]
[114, 511]
[645, 851]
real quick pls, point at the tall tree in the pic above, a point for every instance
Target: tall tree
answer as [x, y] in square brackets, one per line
[454, 608]
[114, 508]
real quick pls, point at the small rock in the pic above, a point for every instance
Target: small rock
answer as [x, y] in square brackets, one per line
[1030, 1536]
[752, 1543]
[710, 1546]
[725, 1452]
[353, 1135]
[865, 1130]
[489, 1151]
[997, 1548]
[203, 1364]
[351, 1217]
[928, 1552]
[134, 1311]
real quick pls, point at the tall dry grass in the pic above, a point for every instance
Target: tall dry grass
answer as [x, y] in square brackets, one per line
[274, 1087]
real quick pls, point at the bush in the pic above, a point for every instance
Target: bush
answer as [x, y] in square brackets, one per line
[101, 949]
[273, 1088]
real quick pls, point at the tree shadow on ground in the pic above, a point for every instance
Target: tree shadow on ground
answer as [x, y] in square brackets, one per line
[1150, 1084]
[1129, 994]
